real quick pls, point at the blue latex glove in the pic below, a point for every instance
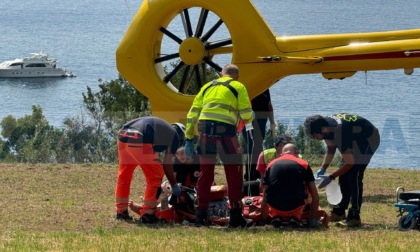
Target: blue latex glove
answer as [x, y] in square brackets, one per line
[320, 172]
[176, 190]
[325, 181]
[189, 149]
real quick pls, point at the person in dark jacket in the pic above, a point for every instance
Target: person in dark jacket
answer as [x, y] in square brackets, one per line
[139, 142]
[263, 109]
[356, 139]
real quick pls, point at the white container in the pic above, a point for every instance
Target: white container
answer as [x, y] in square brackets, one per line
[318, 181]
[333, 192]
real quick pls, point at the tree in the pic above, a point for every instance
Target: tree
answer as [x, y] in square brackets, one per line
[30, 138]
[281, 129]
[82, 143]
[116, 103]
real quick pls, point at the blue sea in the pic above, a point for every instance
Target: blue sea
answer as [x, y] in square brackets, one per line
[84, 35]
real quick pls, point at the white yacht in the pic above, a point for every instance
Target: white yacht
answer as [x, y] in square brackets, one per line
[37, 65]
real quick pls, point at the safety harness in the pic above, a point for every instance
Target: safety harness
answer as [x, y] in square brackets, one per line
[226, 84]
[212, 130]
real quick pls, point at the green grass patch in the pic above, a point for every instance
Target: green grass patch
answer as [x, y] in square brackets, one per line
[71, 208]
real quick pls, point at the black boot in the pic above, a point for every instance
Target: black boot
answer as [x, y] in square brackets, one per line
[148, 219]
[124, 216]
[237, 219]
[201, 218]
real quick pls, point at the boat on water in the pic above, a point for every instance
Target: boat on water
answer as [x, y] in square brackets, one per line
[37, 65]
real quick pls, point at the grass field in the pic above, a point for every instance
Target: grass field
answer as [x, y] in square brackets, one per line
[71, 208]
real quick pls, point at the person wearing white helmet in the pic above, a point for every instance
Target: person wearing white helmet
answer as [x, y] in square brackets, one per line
[139, 142]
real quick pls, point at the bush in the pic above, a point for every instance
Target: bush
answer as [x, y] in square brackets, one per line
[29, 139]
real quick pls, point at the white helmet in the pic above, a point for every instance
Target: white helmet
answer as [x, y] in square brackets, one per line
[180, 130]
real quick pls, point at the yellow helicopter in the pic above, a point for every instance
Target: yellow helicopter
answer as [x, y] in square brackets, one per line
[168, 38]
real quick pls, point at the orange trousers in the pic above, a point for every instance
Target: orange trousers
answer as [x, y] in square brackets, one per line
[130, 156]
[296, 213]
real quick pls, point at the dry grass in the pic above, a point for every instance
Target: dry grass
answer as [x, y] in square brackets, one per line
[71, 207]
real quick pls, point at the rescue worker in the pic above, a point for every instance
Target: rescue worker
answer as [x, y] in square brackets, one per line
[269, 155]
[139, 142]
[217, 109]
[255, 188]
[263, 109]
[356, 139]
[288, 181]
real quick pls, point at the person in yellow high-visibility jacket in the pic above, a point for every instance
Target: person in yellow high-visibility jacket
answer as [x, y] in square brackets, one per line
[218, 108]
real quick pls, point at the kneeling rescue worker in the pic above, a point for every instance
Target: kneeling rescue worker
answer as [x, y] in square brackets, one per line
[139, 142]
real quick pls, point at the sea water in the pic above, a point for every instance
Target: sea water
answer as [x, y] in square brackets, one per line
[84, 35]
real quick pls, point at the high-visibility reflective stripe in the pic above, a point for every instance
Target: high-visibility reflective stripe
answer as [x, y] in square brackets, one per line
[149, 204]
[121, 200]
[121, 204]
[244, 111]
[191, 120]
[195, 110]
[219, 105]
[218, 117]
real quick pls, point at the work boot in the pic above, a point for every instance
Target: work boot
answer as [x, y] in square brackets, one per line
[350, 223]
[276, 222]
[294, 223]
[201, 218]
[335, 217]
[148, 219]
[237, 219]
[124, 216]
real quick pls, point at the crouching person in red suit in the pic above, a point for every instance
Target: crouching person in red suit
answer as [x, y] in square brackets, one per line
[288, 183]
